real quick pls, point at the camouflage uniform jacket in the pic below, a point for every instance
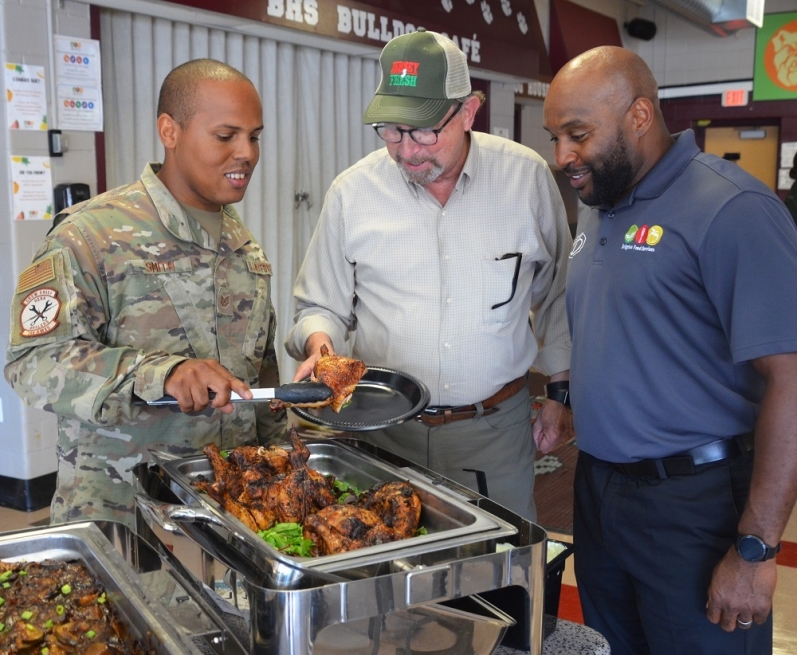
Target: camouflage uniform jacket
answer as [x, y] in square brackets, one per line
[119, 293]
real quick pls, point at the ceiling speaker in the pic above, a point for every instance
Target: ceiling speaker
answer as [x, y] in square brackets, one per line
[641, 28]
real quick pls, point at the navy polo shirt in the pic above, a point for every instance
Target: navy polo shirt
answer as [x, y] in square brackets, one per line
[670, 294]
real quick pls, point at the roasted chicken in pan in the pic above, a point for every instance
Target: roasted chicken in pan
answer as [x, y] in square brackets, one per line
[263, 487]
[341, 374]
[397, 504]
[341, 528]
[258, 498]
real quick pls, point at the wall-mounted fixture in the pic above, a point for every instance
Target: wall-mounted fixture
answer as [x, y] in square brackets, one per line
[67, 195]
[720, 17]
[56, 143]
[640, 28]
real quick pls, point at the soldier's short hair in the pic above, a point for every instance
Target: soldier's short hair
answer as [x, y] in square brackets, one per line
[178, 95]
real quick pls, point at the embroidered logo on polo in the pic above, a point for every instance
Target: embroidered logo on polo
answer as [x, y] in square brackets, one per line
[642, 237]
[578, 244]
[39, 314]
[404, 73]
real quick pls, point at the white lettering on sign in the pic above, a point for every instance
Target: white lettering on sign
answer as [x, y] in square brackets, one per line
[366, 24]
[344, 20]
[293, 10]
[298, 11]
[373, 32]
[311, 12]
[471, 47]
[358, 19]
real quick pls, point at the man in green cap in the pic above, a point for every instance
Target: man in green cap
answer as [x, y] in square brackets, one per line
[435, 249]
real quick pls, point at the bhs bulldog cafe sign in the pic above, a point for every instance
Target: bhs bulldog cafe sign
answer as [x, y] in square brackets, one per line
[496, 35]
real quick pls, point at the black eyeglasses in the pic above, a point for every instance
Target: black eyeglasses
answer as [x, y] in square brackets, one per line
[423, 136]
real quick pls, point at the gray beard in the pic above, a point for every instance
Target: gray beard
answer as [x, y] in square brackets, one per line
[424, 178]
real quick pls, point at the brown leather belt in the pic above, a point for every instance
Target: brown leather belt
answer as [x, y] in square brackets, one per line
[441, 415]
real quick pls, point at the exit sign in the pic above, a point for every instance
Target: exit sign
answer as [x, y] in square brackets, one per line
[734, 98]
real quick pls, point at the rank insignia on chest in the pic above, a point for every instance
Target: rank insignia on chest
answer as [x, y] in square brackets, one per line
[39, 313]
[224, 301]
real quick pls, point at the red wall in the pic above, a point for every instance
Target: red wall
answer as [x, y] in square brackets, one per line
[576, 29]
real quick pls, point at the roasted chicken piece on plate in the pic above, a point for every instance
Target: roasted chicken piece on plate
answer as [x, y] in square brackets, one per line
[341, 374]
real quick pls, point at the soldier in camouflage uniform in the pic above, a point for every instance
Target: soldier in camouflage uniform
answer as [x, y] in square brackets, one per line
[150, 289]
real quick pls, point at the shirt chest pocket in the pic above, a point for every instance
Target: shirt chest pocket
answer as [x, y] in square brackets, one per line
[154, 301]
[140, 287]
[249, 325]
[504, 286]
[259, 324]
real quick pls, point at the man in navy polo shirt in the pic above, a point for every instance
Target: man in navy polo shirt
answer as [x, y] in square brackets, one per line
[682, 302]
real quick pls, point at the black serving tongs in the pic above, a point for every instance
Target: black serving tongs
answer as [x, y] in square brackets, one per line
[294, 392]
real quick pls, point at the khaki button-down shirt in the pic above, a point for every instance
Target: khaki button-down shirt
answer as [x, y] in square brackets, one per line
[442, 293]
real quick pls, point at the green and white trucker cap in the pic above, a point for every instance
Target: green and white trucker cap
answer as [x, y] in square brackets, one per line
[423, 73]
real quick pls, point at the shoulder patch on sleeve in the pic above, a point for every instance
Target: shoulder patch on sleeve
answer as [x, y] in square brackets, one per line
[44, 303]
[36, 274]
[40, 310]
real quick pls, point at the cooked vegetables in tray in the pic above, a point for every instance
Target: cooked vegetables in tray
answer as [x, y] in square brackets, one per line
[55, 607]
[275, 493]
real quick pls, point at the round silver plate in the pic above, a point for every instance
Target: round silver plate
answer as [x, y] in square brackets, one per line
[382, 398]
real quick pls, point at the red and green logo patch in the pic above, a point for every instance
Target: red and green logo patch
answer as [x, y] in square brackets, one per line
[404, 73]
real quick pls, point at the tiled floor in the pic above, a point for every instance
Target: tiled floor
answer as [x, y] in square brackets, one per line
[785, 605]
[12, 520]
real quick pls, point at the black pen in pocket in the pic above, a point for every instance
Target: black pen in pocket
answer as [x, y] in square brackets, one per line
[510, 255]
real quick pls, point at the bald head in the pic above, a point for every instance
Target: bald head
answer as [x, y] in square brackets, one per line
[602, 110]
[611, 74]
[179, 97]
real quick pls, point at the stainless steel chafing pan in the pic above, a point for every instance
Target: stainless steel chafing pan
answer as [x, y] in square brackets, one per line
[424, 629]
[142, 614]
[450, 521]
[381, 590]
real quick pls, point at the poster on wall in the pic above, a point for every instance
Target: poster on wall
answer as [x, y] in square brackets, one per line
[775, 73]
[79, 108]
[784, 179]
[26, 97]
[78, 83]
[32, 190]
[788, 150]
